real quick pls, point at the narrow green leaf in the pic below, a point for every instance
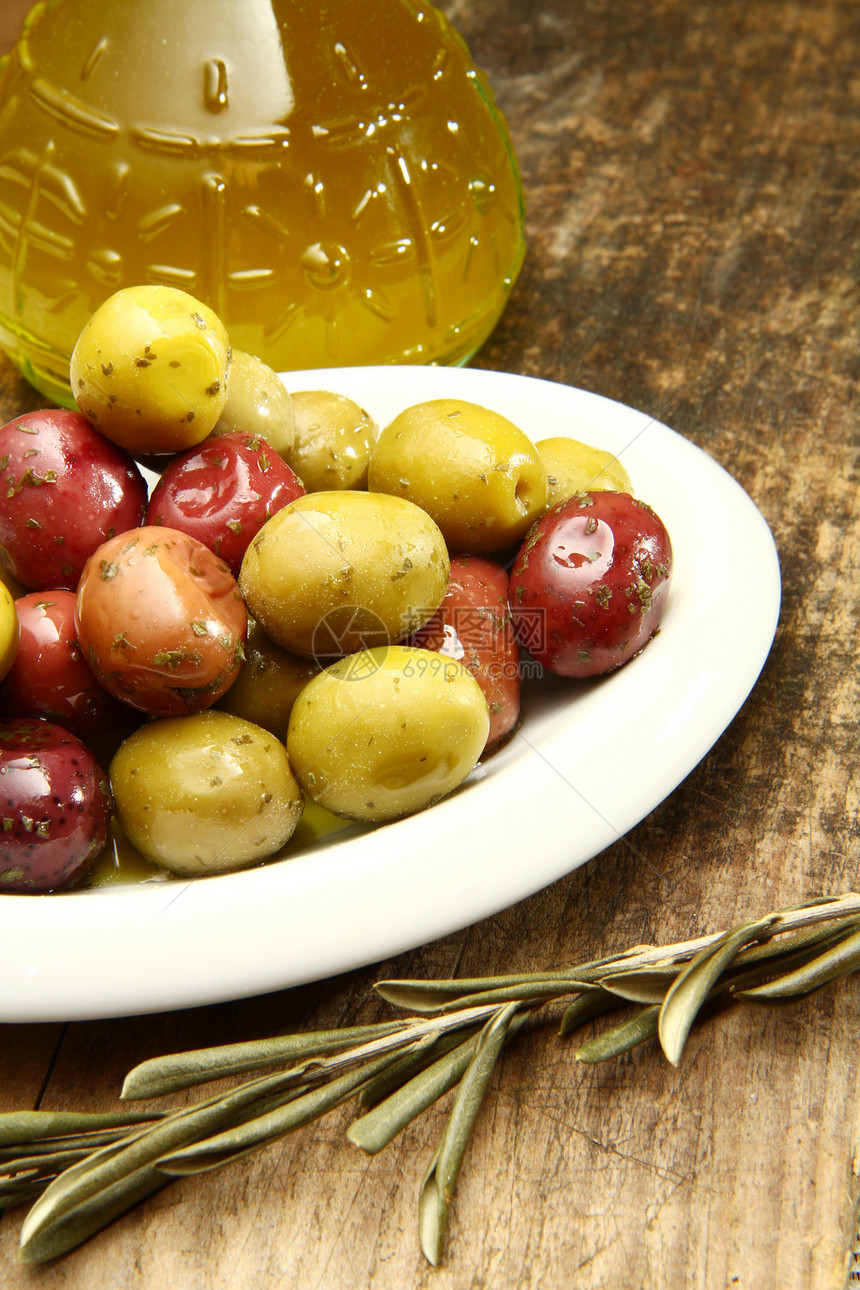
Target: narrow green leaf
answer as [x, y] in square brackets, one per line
[251, 1134]
[786, 946]
[620, 1039]
[56, 1224]
[70, 1228]
[738, 979]
[18, 1127]
[841, 960]
[85, 1142]
[52, 1162]
[11, 1196]
[591, 1004]
[645, 985]
[440, 1180]
[694, 983]
[534, 993]
[32, 1182]
[447, 996]
[176, 1071]
[428, 996]
[379, 1126]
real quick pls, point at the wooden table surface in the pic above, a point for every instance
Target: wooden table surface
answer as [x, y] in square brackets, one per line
[694, 244]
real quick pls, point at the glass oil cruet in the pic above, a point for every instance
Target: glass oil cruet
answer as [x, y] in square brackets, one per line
[331, 176]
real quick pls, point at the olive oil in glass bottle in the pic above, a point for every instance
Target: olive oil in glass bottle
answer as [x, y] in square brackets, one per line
[332, 177]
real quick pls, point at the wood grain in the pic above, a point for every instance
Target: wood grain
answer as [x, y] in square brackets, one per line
[694, 232]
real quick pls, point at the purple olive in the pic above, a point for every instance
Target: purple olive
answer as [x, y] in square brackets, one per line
[54, 806]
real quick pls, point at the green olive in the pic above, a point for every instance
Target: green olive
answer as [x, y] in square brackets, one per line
[334, 440]
[149, 369]
[335, 572]
[205, 794]
[258, 403]
[268, 683]
[574, 467]
[387, 732]
[474, 471]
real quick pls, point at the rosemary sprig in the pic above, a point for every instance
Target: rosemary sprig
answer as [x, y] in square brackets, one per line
[84, 1170]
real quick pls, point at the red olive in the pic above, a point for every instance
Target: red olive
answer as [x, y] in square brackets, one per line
[473, 624]
[223, 492]
[54, 807]
[588, 587]
[160, 620]
[50, 678]
[65, 489]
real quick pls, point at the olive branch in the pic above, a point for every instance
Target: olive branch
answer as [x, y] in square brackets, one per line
[83, 1170]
